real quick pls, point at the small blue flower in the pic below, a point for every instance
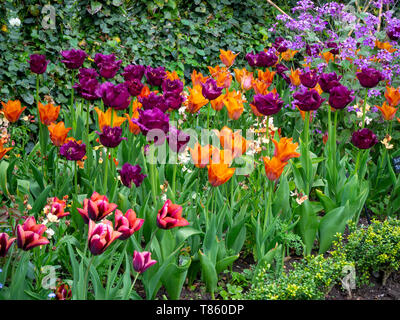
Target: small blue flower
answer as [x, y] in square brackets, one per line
[1, 270]
[1, 286]
[52, 295]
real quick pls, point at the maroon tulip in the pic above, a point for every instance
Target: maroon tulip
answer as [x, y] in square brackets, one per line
[142, 261]
[170, 216]
[63, 291]
[100, 236]
[134, 87]
[266, 59]
[329, 80]
[364, 139]
[38, 63]
[73, 59]
[153, 119]
[172, 86]
[132, 72]
[173, 101]
[96, 208]
[340, 96]
[110, 137]
[369, 77]
[153, 101]
[155, 76]
[5, 244]
[130, 173]
[210, 89]
[88, 84]
[309, 79]
[177, 140]
[127, 224]
[333, 46]
[268, 104]
[115, 96]
[251, 59]
[307, 100]
[107, 65]
[73, 150]
[29, 235]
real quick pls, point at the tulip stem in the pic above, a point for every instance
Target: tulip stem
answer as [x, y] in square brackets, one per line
[76, 178]
[357, 161]
[364, 107]
[72, 101]
[174, 180]
[87, 122]
[105, 171]
[208, 116]
[306, 141]
[86, 277]
[133, 284]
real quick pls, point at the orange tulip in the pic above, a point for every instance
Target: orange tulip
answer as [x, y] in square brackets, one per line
[227, 57]
[172, 75]
[318, 88]
[327, 56]
[48, 113]
[235, 108]
[224, 79]
[201, 156]
[145, 92]
[232, 141]
[105, 118]
[197, 78]
[218, 104]
[58, 133]
[303, 114]
[260, 87]
[133, 128]
[273, 167]
[12, 110]
[285, 149]
[3, 150]
[267, 76]
[219, 173]
[244, 77]
[388, 112]
[295, 77]
[392, 96]
[385, 46]
[195, 100]
[288, 54]
[217, 69]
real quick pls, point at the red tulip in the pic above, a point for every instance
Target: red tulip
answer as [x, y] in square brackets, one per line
[5, 244]
[96, 208]
[100, 236]
[170, 216]
[127, 224]
[29, 235]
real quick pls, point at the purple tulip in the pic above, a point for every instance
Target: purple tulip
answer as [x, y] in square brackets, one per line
[88, 85]
[308, 100]
[110, 137]
[38, 63]
[369, 77]
[177, 140]
[210, 89]
[155, 76]
[5, 244]
[173, 101]
[364, 139]
[134, 87]
[73, 151]
[333, 45]
[329, 80]
[142, 261]
[87, 73]
[73, 59]
[266, 59]
[251, 59]
[309, 79]
[280, 45]
[340, 96]
[153, 119]
[115, 96]
[268, 104]
[107, 65]
[130, 173]
[172, 86]
[133, 72]
[281, 68]
[153, 101]
[313, 50]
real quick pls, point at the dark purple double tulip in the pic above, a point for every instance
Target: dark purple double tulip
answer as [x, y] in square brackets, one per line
[155, 76]
[73, 151]
[110, 137]
[369, 77]
[38, 63]
[172, 86]
[329, 80]
[177, 140]
[268, 104]
[115, 96]
[210, 89]
[88, 84]
[135, 87]
[108, 66]
[133, 72]
[364, 139]
[307, 100]
[130, 173]
[153, 119]
[280, 45]
[340, 96]
[153, 101]
[173, 101]
[73, 59]
[333, 46]
[261, 59]
[309, 79]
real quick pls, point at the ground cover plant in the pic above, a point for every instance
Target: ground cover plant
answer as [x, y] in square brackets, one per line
[140, 178]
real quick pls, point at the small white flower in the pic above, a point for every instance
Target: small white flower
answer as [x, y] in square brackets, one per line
[15, 22]
[164, 197]
[194, 195]
[52, 217]
[49, 233]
